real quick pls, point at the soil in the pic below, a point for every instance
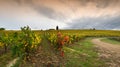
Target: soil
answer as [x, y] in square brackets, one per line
[109, 53]
[12, 62]
[45, 56]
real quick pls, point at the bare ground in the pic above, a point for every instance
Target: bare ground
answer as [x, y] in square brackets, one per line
[12, 62]
[110, 53]
[45, 56]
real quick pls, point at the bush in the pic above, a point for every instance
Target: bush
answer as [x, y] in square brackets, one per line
[2, 29]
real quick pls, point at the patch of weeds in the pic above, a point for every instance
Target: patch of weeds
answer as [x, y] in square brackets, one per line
[110, 41]
[5, 59]
[82, 54]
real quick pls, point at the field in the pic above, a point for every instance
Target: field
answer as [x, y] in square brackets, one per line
[59, 48]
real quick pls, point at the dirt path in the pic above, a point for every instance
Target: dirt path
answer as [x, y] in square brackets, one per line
[110, 53]
[12, 62]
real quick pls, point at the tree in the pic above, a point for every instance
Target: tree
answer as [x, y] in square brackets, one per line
[94, 29]
[57, 28]
[2, 28]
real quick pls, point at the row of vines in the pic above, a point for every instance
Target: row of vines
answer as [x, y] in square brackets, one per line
[21, 44]
[25, 42]
[59, 40]
[64, 38]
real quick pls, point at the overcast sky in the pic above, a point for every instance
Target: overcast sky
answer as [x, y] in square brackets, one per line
[67, 14]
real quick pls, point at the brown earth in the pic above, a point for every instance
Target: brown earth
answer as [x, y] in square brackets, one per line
[109, 53]
[45, 56]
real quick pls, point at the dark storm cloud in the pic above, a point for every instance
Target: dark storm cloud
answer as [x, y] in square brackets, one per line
[102, 3]
[44, 10]
[49, 12]
[98, 23]
[18, 1]
[98, 3]
[83, 2]
[21, 2]
[91, 13]
[106, 3]
[53, 14]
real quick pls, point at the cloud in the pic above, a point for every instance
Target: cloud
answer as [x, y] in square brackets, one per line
[102, 3]
[21, 2]
[62, 10]
[100, 14]
[42, 9]
[50, 13]
[106, 3]
[98, 23]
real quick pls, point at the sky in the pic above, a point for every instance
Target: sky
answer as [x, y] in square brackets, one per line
[67, 14]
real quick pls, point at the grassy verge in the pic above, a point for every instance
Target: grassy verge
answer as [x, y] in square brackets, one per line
[82, 54]
[110, 41]
[5, 59]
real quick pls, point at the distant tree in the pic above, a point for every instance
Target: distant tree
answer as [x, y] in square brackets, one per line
[57, 28]
[94, 29]
[51, 29]
[2, 29]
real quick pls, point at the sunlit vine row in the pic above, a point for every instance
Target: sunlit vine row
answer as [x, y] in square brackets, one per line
[60, 39]
[23, 43]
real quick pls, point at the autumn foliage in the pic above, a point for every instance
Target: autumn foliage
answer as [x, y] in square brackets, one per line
[61, 41]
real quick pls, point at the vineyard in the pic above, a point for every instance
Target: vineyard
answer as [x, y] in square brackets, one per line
[51, 48]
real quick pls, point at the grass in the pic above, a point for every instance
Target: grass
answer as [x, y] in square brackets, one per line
[82, 54]
[5, 59]
[110, 41]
